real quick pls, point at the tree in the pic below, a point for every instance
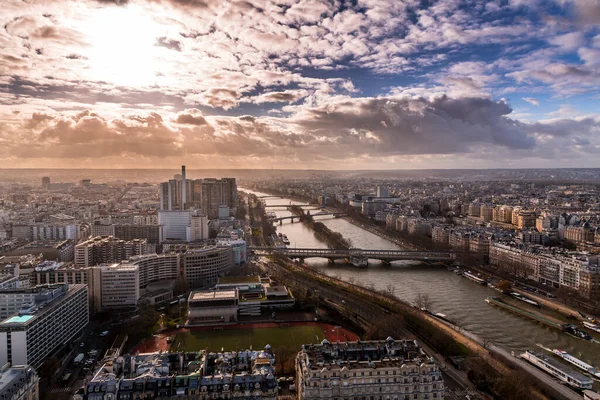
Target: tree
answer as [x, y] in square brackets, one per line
[505, 285]
[423, 302]
[50, 366]
[390, 290]
[180, 286]
[390, 326]
[284, 358]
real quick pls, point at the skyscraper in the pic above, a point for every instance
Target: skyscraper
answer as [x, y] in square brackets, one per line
[45, 182]
[206, 194]
[183, 188]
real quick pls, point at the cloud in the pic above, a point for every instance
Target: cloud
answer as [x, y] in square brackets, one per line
[384, 127]
[170, 44]
[216, 98]
[532, 100]
[286, 96]
[569, 41]
[191, 117]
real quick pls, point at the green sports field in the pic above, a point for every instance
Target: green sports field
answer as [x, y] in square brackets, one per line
[242, 339]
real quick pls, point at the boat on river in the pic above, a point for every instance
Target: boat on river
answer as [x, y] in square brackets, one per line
[474, 278]
[577, 362]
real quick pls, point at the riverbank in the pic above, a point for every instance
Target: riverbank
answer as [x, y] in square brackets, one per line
[370, 307]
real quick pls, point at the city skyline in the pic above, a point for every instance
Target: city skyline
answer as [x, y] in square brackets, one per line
[300, 84]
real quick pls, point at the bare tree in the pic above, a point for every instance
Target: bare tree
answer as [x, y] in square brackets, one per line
[486, 342]
[423, 302]
[390, 290]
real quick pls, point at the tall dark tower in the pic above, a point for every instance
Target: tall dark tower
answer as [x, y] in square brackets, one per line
[183, 187]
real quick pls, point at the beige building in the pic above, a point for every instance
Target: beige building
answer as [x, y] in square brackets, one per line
[440, 234]
[487, 212]
[526, 219]
[503, 214]
[580, 234]
[378, 370]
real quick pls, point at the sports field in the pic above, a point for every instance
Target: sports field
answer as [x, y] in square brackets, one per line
[241, 339]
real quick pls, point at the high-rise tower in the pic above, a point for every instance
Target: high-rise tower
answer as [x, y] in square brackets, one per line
[183, 188]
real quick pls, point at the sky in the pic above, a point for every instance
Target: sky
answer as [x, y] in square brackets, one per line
[320, 84]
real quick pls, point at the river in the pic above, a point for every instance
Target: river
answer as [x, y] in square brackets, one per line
[459, 298]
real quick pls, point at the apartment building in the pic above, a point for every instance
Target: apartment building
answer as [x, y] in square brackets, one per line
[56, 316]
[377, 369]
[19, 382]
[115, 286]
[234, 375]
[203, 266]
[107, 250]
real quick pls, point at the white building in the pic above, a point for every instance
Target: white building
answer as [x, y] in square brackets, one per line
[115, 286]
[204, 266]
[383, 191]
[54, 232]
[238, 247]
[210, 307]
[155, 267]
[100, 229]
[175, 223]
[19, 383]
[390, 369]
[58, 316]
[198, 228]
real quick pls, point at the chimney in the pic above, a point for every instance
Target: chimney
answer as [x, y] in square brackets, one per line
[183, 187]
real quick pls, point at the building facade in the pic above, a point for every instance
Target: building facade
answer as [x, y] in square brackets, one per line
[58, 315]
[113, 287]
[107, 250]
[19, 383]
[203, 267]
[378, 370]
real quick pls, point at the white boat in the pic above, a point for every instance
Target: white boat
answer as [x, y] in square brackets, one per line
[558, 370]
[591, 326]
[519, 296]
[577, 362]
[474, 278]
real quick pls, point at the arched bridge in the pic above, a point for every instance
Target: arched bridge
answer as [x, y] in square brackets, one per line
[292, 217]
[358, 256]
[286, 205]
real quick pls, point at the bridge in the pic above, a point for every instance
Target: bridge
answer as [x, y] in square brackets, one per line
[270, 197]
[358, 257]
[292, 217]
[286, 205]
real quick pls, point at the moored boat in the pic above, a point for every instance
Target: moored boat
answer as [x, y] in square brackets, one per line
[474, 278]
[577, 362]
[591, 326]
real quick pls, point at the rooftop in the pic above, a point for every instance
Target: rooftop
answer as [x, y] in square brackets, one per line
[380, 353]
[45, 299]
[18, 319]
[226, 280]
[213, 295]
[11, 378]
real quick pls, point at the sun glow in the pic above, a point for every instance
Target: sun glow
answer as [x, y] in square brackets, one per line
[122, 47]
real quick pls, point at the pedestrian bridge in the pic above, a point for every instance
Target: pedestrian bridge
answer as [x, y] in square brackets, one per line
[357, 254]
